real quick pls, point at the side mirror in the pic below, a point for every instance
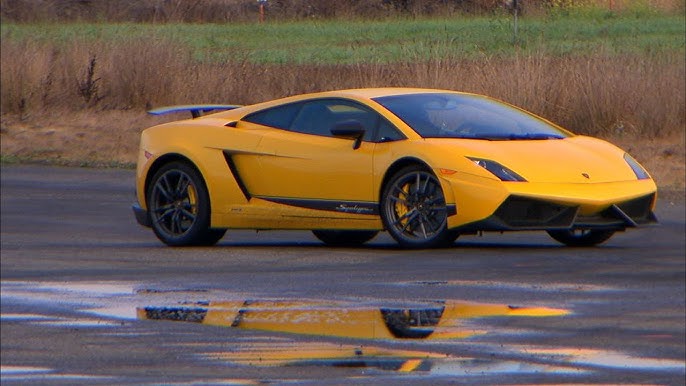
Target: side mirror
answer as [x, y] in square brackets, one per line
[350, 129]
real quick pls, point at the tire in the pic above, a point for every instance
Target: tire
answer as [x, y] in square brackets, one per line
[344, 238]
[413, 209]
[179, 207]
[581, 237]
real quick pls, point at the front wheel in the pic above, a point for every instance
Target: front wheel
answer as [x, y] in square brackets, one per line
[581, 237]
[414, 211]
[179, 207]
[347, 238]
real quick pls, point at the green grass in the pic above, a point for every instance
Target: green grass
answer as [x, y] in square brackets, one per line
[326, 42]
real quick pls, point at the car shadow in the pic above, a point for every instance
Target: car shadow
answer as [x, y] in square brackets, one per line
[394, 247]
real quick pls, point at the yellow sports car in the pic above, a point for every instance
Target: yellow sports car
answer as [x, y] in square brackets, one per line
[424, 165]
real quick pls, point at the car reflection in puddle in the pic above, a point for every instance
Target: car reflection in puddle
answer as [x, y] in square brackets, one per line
[297, 353]
[416, 337]
[439, 320]
[435, 320]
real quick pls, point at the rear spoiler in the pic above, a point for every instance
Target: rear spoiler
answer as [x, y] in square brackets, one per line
[196, 110]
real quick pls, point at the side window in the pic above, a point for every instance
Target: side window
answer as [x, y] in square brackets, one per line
[320, 116]
[315, 117]
[279, 117]
[388, 132]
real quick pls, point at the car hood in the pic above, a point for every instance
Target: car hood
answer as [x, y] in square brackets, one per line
[577, 159]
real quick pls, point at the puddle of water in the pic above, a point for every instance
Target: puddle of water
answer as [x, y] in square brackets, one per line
[437, 320]
[536, 360]
[228, 382]
[24, 317]
[604, 358]
[8, 370]
[109, 300]
[272, 354]
[389, 359]
[97, 289]
[79, 323]
[480, 367]
[47, 320]
[123, 311]
[65, 292]
[440, 321]
[552, 287]
[30, 373]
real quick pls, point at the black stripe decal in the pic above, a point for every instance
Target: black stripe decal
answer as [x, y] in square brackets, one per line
[353, 207]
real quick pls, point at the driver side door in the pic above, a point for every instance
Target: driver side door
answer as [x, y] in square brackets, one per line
[305, 165]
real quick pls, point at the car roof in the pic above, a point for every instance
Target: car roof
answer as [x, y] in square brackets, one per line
[367, 93]
[358, 93]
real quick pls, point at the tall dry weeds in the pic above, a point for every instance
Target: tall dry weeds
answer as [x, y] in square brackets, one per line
[597, 94]
[227, 11]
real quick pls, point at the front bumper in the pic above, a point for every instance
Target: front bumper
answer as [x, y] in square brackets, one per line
[522, 213]
[142, 216]
[486, 204]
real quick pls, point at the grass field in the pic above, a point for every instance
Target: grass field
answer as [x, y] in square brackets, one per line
[347, 42]
[76, 93]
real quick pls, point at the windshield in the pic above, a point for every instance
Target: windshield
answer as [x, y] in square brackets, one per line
[447, 115]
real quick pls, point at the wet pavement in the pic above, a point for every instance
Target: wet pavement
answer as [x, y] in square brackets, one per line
[88, 297]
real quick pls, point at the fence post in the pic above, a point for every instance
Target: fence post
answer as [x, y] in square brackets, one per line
[262, 3]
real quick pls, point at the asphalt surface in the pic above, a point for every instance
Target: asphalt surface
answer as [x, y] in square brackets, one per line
[75, 269]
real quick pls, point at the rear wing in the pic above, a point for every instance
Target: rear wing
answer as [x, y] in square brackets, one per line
[195, 110]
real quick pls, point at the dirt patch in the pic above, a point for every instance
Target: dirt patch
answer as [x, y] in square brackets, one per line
[110, 138]
[83, 138]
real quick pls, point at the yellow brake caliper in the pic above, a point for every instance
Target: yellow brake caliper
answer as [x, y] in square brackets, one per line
[192, 199]
[402, 209]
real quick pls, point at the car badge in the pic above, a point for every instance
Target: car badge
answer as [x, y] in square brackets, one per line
[586, 175]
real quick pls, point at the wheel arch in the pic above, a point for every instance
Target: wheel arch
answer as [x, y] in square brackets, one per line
[448, 191]
[395, 167]
[160, 162]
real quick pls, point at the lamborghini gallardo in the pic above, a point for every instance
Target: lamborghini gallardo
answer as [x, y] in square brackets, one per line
[423, 165]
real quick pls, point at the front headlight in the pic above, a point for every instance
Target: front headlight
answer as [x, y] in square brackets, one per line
[640, 173]
[498, 170]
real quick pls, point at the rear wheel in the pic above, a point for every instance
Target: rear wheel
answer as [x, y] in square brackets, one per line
[179, 207]
[414, 211]
[344, 237]
[581, 237]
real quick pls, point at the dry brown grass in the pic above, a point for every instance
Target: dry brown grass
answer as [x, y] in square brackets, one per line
[75, 138]
[227, 10]
[598, 94]
[222, 11]
[85, 103]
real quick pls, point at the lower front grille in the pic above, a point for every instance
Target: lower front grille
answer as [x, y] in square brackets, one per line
[639, 209]
[522, 212]
[624, 214]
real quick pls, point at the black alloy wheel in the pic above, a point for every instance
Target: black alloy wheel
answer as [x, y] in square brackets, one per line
[414, 211]
[179, 207]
